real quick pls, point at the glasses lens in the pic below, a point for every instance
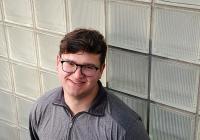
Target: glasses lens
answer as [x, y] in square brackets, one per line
[89, 70]
[68, 67]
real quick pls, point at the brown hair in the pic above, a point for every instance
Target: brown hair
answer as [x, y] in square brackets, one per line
[86, 40]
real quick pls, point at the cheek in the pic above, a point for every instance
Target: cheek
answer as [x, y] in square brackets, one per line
[61, 74]
[60, 77]
[93, 80]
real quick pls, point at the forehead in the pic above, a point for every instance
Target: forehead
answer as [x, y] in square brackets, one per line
[82, 57]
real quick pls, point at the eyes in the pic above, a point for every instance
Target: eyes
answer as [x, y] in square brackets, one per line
[70, 67]
[72, 64]
[89, 67]
[69, 63]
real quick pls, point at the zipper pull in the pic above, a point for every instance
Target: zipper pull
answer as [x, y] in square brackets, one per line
[70, 124]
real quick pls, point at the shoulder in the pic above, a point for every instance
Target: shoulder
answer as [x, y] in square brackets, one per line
[120, 111]
[49, 96]
[44, 102]
[128, 119]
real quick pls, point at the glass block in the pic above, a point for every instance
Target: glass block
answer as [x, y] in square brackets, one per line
[5, 80]
[18, 11]
[168, 124]
[3, 50]
[8, 132]
[198, 131]
[182, 3]
[0, 15]
[144, 0]
[90, 14]
[51, 15]
[129, 25]
[21, 43]
[128, 72]
[26, 81]
[23, 109]
[49, 81]
[174, 83]
[24, 134]
[7, 107]
[175, 34]
[50, 44]
[137, 105]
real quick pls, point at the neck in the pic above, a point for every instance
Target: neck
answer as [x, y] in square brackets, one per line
[80, 103]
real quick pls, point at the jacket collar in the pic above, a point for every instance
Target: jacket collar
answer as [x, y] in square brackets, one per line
[98, 106]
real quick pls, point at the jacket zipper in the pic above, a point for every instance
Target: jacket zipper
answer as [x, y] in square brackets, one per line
[72, 123]
[70, 129]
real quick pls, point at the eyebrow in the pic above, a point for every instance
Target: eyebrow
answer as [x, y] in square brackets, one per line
[89, 64]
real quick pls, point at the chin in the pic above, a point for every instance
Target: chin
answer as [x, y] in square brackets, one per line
[77, 94]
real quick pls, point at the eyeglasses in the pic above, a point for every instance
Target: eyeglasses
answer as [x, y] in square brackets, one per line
[70, 67]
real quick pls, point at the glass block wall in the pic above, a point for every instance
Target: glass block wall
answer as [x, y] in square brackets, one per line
[153, 61]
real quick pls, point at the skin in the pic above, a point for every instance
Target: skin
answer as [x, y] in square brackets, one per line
[79, 90]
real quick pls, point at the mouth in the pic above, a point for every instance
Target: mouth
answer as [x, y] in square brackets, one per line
[77, 83]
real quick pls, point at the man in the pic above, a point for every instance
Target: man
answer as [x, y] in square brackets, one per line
[81, 109]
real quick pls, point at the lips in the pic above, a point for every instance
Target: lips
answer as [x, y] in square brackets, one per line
[77, 83]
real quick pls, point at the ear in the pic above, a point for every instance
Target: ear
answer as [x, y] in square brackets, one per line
[101, 70]
[57, 62]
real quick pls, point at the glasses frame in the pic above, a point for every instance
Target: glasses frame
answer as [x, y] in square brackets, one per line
[78, 65]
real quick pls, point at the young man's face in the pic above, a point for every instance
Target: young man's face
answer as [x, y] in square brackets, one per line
[78, 84]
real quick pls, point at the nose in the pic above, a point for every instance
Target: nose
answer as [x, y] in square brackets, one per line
[78, 73]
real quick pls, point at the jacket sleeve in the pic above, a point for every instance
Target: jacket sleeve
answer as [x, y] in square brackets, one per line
[137, 132]
[32, 126]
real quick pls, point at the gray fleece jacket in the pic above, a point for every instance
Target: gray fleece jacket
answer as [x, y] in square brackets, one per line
[107, 119]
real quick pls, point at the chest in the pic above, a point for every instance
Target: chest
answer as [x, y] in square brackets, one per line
[60, 126]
